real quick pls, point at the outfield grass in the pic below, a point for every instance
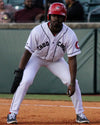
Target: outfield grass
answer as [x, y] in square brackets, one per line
[92, 98]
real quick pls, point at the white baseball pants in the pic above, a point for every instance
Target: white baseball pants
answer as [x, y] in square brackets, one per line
[59, 68]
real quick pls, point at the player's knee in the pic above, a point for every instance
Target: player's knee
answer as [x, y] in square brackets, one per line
[66, 81]
[26, 83]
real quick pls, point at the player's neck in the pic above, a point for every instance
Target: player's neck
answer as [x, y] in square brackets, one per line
[54, 31]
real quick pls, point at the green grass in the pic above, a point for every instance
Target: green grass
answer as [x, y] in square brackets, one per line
[90, 98]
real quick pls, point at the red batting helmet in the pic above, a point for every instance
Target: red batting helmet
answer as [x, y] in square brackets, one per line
[58, 9]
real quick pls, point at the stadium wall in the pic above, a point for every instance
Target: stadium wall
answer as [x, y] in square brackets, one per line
[12, 41]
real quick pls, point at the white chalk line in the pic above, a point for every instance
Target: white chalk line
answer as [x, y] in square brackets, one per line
[43, 105]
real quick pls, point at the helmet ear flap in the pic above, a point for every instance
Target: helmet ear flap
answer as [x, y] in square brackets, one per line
[48, 16]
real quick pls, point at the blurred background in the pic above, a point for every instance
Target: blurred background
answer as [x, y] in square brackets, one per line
[14, 36]
[91, 7]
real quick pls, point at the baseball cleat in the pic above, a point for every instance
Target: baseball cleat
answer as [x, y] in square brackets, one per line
[81, 118]
[11, 118]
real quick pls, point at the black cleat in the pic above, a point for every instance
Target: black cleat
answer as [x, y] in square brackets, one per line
[81, 118]
[11, 118]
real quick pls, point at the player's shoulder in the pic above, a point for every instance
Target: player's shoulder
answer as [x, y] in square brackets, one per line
[67, 27]
[70, 31]
[38, 28]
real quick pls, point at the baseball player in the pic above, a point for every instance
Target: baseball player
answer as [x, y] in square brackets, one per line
[46, 46]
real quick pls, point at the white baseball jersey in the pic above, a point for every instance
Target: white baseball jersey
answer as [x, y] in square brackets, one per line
[48, 50]
[45, 45]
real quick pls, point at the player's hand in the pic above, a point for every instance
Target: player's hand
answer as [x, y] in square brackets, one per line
[71, 90]
[18, 77]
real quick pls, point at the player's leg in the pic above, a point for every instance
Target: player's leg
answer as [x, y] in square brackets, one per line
[61, 70]
[77, 101]
[28, 76]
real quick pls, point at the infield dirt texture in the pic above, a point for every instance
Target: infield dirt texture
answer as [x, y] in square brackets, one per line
[43, 112]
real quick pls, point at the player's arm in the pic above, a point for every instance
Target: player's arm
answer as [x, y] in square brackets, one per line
[19, 72]
[73, 69]
[25, 58]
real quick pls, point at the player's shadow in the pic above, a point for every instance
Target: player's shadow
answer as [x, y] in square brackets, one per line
[48, 123]
[95, 122]
[56, 123]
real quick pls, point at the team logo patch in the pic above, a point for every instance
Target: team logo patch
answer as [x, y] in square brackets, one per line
[76, 45]
[57, 8]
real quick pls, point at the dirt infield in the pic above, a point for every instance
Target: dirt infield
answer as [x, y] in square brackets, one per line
[42, 112]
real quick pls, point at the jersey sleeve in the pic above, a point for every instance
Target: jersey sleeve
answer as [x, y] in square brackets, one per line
[31, 43]
[72, 45]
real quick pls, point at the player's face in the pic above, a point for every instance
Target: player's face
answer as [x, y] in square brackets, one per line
[56, 22]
